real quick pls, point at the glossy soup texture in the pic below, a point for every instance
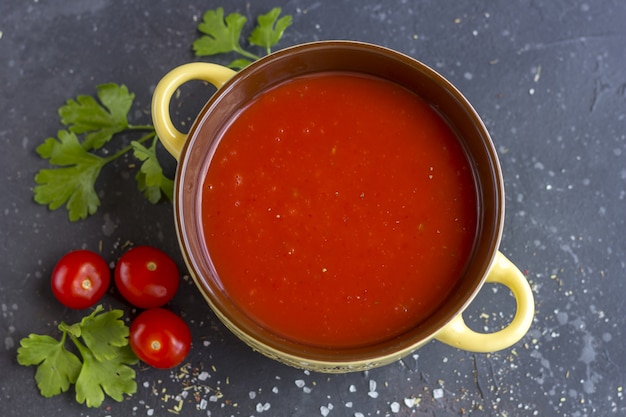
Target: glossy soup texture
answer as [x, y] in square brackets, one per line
[339, 210]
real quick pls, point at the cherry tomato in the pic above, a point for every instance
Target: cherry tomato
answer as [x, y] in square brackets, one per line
[160, 338]
[146, 277]
[80, 279]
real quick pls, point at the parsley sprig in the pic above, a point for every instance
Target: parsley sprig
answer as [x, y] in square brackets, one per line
[101, 339]
[89, 125]
[223, 34]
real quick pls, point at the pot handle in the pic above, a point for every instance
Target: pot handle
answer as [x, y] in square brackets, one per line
[170, 136]
[457, 334]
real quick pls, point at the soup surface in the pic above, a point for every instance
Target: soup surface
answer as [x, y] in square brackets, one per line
[339, 210]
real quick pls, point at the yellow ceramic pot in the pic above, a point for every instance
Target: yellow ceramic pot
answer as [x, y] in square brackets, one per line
[235, 91]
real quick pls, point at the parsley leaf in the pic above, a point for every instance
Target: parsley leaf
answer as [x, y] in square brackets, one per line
[239, 63]
[104, 333]
[269, 30]
[111, 376]
[222, 35]
[57, 368]
[72, 182]
[85, 114]
[102, 341]
[150, 178]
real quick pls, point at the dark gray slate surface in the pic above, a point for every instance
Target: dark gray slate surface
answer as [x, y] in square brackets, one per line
[549, 79]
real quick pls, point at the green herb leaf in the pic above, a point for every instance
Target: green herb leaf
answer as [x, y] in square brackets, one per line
[72, 329]
[150, 178]
[104, 333]
[111, 376]
[57, 368]
[73, 182]
[240, 63]
[269, 30]
[85, 114]
[106, 359]
[222, 34]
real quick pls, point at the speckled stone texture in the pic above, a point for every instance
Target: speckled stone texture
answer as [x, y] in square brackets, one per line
[547, 77]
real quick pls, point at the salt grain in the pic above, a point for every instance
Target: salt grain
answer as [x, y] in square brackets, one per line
[262, 407]
[299, 383]
[203, 404]
[437, 393]
[395, 407]
[204, 375]
[372, 385]
[372, 392]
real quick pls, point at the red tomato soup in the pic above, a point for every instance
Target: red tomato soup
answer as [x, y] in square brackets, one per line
[339, 210]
